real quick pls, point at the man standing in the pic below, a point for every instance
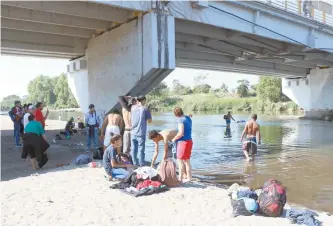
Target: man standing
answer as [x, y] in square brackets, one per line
[92, 124]
[30, 111]
[16, 115]
[228, 118]
[39, 117]
[113, 123]
[126, 102]
[140, 115]
[252, 132]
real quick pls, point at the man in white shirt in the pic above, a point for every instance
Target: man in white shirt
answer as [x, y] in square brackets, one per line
[31, 110]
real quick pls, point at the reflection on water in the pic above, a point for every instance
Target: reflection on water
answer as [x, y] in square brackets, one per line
[299, 153]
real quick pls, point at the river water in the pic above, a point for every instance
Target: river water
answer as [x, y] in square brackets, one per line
[297, 152]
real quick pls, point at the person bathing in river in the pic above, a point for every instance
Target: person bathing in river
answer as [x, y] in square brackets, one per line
[114, 124]
[166, 137]
[228, 118]
[112, 159]
[252, 133]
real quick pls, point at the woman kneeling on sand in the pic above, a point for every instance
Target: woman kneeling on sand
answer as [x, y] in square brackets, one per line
[111, 159]
[184, 144]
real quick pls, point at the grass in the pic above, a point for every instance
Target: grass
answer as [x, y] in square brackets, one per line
[212, 102]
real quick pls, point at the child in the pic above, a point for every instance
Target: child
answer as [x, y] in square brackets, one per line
[111, 161]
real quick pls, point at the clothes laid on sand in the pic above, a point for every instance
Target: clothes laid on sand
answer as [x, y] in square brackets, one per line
[305, 217]
[167, 172]
[146, 172]
[135, 185]
[82, 159]
[247, 194]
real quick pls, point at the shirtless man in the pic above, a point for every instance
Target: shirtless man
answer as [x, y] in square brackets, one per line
[165, 136]
[252, 132]
[113, 123]
[126, 102]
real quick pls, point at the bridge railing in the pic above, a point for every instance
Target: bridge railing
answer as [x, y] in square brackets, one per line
[318, 10]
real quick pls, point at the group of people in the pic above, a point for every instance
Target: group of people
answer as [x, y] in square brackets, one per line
[124, 138]
[29, 124]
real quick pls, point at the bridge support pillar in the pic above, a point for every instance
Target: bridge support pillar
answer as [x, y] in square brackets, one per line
[314, 94]
[128, 60]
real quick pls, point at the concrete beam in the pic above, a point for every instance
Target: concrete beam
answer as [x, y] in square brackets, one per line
[75, 8]
[143, 6]
[187, 54]
[34, 54]
[52, 18]
[45, 28]
[79, 44]
[214, 65]
[197, 48]
[38, 48]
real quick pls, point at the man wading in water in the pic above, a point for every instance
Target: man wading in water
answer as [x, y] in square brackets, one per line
[252, 131]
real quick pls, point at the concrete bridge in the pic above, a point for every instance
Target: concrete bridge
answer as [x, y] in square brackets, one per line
[123, 47]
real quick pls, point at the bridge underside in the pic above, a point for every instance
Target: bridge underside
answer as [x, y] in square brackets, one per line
[208, 47]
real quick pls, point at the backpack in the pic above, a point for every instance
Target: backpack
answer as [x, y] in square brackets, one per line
[272, 198]
[98, 153]
[167, 172]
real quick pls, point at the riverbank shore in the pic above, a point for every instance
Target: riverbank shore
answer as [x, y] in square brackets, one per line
[71, 195]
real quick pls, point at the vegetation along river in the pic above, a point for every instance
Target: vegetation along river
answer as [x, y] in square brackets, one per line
[297, 152]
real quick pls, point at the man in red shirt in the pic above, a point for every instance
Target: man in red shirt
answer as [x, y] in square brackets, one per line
[39, 114]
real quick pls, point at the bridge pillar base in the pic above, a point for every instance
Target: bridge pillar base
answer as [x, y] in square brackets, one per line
[128, 60]
[313, 93]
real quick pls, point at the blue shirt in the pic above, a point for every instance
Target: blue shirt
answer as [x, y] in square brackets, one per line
[34, 127]
[187, 122]
[139, 117]
[109, 154]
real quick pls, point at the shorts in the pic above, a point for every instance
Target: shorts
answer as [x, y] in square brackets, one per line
[250, 144]
[110, 129]
[184, 149]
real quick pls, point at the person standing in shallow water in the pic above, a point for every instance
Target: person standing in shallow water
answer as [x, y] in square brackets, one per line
[184, 144]
[228, 118]
[252, 133]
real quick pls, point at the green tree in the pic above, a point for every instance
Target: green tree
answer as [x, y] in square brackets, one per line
[159, 89]
[204, 88]
[8, 102]
[179, 88]
[64, 96]
[243, 88]
[41, 89]
[269, 89]
[224, 88]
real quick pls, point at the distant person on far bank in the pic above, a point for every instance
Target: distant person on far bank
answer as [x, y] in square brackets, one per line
[140, 116]
[16, 114]
[184, 144]
[252, 133]
[92, 124]
[39, 117]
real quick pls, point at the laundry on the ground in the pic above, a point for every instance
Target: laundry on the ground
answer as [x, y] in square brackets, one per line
[82, 159]
[143, 181]
[305, 217]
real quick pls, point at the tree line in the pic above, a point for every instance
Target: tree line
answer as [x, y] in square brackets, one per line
[54, 92]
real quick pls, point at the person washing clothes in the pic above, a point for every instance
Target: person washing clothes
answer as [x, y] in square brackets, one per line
[92, 124]
[112, 162]
[114, 124]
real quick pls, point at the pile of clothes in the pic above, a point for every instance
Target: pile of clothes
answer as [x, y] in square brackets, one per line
[143, 181]
[268, 201]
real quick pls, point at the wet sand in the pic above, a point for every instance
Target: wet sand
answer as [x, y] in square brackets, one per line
[71, 195]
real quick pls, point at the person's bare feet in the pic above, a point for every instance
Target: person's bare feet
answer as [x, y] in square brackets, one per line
[248, 159]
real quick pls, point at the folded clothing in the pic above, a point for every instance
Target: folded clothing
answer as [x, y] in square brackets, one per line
[247, 194]
[148, 183]
[306, 217]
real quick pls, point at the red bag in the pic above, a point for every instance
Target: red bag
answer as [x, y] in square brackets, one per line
[272, 198]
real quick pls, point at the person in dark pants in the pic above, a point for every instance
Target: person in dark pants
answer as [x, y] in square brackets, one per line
[16, 114]
[92, 124]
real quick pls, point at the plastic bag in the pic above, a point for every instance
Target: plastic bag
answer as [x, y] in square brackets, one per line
[239, 209]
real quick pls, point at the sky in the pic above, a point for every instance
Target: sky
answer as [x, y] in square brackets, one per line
[16, 72]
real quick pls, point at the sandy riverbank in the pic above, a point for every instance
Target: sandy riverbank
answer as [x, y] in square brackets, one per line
[80, 196]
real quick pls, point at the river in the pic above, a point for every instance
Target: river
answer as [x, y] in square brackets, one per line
[297, 152]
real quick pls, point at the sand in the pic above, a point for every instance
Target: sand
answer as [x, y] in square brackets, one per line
[71, 195]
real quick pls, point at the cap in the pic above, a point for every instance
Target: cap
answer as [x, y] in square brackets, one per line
[91, 106]
[31, 107]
